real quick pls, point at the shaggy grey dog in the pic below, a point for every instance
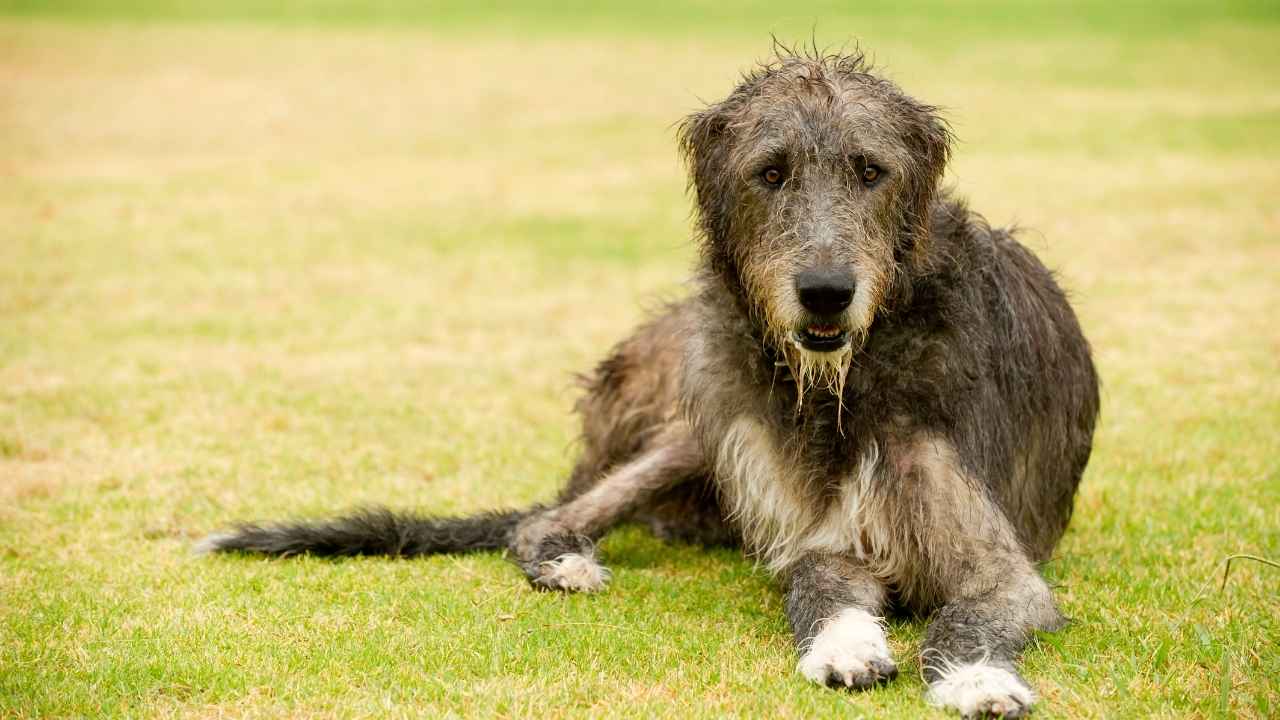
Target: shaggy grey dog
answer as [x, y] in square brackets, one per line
[882, 398]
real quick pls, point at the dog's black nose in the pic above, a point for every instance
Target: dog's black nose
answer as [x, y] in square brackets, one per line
[825, 292]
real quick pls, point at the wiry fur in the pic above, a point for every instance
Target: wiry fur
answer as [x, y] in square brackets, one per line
[931, 459]
[374, 531]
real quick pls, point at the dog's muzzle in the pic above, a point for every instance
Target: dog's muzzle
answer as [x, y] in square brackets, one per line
[825, 293]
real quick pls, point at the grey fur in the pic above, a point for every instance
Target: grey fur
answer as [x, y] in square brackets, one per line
[572, 525]
[822, 586]
[931, 458]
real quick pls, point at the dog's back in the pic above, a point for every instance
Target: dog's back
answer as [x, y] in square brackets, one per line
[1034, 402]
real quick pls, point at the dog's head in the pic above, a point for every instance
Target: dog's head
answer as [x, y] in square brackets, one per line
[813, 182]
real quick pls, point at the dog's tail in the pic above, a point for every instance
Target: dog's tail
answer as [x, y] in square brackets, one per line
[374, 531]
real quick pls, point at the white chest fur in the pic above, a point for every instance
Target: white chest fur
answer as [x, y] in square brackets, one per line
[780, 521]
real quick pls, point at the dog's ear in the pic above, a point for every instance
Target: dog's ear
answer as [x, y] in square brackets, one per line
[705, 139]
[929, 141]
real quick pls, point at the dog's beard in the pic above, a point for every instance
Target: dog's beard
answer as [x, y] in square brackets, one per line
[819, 371]
[814, 371]
[811, 370]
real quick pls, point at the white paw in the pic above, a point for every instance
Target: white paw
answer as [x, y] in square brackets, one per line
[979, 690]
[850, 652]
[573, 572]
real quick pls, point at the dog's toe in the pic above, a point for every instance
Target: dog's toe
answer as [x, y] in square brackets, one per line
[872, 673]
[885, 669]
[1005, 707]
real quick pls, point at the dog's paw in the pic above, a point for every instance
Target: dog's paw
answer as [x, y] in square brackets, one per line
[979, 690]
[849, 652]
[573, 572]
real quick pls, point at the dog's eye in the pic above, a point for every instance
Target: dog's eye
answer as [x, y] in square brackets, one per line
[772, 176]
[870, 174]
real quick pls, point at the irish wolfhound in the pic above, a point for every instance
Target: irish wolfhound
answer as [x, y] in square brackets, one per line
[882, 398]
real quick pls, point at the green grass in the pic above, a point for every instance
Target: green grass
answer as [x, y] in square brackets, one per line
[260, 260]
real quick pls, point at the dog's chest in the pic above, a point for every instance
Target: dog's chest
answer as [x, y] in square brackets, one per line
[784, 511]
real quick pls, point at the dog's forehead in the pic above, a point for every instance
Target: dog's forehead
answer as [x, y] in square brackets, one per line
[838, 116]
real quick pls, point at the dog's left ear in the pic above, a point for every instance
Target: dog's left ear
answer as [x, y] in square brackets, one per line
[929, 141]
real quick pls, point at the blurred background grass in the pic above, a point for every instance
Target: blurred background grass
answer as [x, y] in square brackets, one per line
[666, 18]
[270, 259]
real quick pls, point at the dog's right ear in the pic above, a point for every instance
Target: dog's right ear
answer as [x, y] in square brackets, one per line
[705, 137]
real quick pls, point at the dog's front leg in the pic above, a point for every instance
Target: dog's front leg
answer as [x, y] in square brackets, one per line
[969, 558]
[834, 605]
[556, 547]
[973, 643]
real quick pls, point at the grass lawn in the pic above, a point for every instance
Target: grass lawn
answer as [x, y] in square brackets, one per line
[262, 260]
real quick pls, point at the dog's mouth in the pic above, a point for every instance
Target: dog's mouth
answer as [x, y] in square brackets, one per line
[822, 337]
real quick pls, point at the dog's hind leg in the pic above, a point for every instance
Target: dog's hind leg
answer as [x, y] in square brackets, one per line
[689, 513]
[834, 605]
[556, 547]
[992, 599]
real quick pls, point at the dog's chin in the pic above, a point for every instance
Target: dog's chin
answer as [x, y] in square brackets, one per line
[821, 338]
